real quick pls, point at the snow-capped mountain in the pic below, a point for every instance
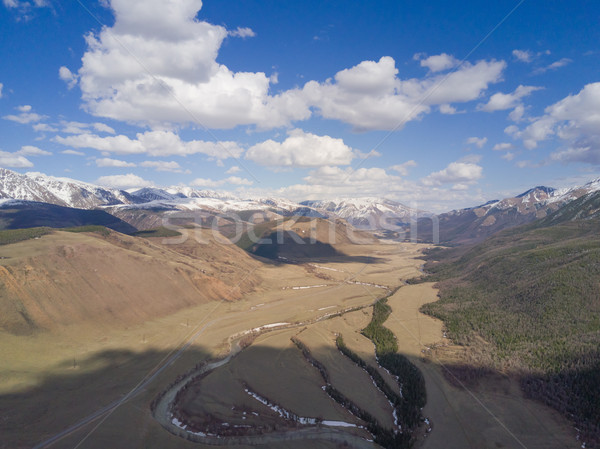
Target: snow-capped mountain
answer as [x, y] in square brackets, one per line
[187, 199]
[476, 223]
[58, 191]
[367, 213]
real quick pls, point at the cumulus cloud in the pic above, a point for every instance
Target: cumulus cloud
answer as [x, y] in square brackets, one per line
[170, 166]
[24, 8]
[242, 32]
[503, 146]
[207, 182]
[330, 181]
[402, 169]
[523, 55]
[438, 63]
[371, 96]
[574, 121]
[14, 160]
[43, 127]
[337, 182]
[233, 170]
[127, 181]
[479, 142]
[67, 76]
[554, 66]
[30, 150]
[448, 109]
[528, 56]
[153, 143]
[500, 101]
[455, 172]
[26, 115]
[108, 162]
[80, 128]
[301, 149]
[509, 156]
[174, 76]
[73, 152]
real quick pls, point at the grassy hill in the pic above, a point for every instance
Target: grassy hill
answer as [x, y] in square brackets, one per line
[527, 301]
[50, 279]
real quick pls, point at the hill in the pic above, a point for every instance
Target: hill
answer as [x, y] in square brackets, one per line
[526, 301]
[30, 214]
[66, 278]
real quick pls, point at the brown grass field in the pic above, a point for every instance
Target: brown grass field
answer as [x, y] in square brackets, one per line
[72, 364]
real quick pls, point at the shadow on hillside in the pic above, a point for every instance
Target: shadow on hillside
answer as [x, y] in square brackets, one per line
[293, 248]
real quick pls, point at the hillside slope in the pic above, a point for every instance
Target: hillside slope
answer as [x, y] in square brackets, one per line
[527, 301]
[66, 278]
[30, 214]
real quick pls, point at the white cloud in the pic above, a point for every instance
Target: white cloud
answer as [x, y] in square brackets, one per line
[438, 63]
[73, 152]
[108, 162]
[101, 127]
[174, 76]
[29, 150]
[574, 121]
[447, 109]
[25, 6]
[81, 128]
[370, 96]
[235, 180]
[503, 146]
[329, 181]
[479, 142]
[153, 143]
[170, 166]
[301, 149]
[242, 32]
[500, 101]
[402, 169]
[554, 66]
[471, 158]
[67, 76]
[509, 156]
[14, 160]
[337, 182]
[44, 127]
[127, 181]
[25, 116]
[455, 172]
[233, 170]
[523, 55]
[516, 115]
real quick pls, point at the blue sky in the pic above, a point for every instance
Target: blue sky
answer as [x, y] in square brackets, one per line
[432, 104]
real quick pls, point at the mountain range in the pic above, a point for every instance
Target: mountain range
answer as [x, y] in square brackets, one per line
[145, 208]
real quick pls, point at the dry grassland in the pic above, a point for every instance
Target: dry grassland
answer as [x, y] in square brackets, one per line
[51, 379]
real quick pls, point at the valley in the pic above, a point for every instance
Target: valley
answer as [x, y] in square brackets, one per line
[98, 379]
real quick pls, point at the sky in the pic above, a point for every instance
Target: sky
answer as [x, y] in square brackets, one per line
[435, 104]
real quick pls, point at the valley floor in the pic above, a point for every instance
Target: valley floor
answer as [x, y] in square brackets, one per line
[107, 377]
